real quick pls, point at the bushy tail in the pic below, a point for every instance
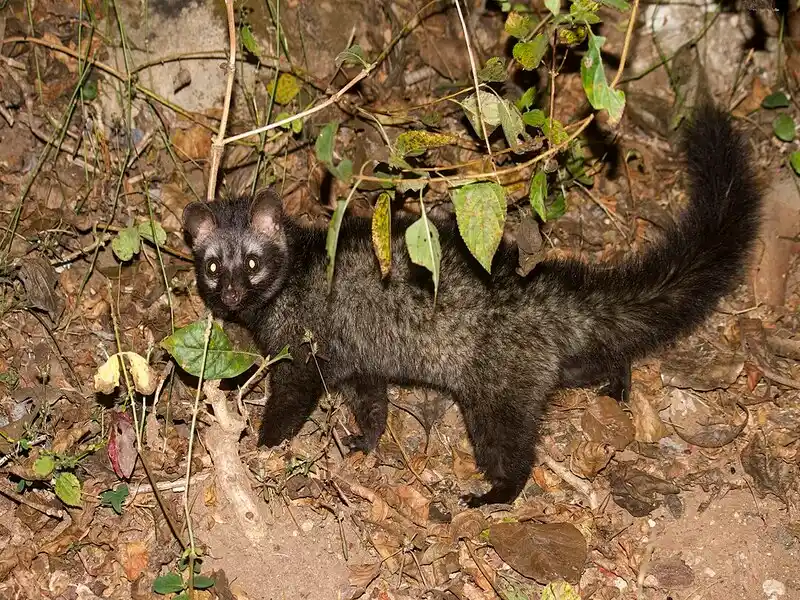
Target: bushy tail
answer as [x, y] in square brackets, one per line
[650, 299]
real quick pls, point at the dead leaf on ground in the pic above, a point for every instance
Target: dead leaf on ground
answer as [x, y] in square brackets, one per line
[134, 558]
[604, 421]
[362, 575]
[40, 278]
[672, 573]
[702, 368]
[468, 524]
[589, 458]
[702, 420]
[648, 425]
[122, 445]
[543, 552]
[770, 474]
[193, 143]
[638, 492]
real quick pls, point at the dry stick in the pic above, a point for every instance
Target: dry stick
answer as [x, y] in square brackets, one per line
[475, 82]
[195, 410]
[42, 508]
[218, 145]
[626, 46]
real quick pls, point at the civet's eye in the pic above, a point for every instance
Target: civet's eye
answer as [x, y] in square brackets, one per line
[212, 268]
[252, 263]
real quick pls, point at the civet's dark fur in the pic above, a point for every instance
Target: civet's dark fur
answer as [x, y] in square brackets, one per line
[501, 343]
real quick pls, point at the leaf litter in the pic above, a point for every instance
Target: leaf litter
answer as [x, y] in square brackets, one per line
[81, 511]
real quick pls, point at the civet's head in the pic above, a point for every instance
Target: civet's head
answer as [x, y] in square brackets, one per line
[240, 250]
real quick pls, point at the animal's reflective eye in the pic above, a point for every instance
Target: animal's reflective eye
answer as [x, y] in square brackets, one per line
[212, 267]
[252, 263]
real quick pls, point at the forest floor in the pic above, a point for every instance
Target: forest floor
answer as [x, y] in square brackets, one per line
[107, 110]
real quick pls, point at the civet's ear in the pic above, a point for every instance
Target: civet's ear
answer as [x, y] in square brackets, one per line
[198, 222]
[266, 211]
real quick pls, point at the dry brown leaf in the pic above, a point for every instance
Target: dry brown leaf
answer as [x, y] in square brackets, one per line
[436, 551]
[133, 556]
[589, 458]
[546, 479]
[193, 143]
[543, 552]
[702, 420]
[648, 425]
[605, 421]
[464, 466]
[413, 504]
[362, 575]
[467, 524]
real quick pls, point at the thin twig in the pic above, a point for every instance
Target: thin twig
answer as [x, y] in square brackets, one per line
[626, 46]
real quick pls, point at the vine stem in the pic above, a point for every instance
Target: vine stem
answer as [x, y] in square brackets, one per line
[626, 46]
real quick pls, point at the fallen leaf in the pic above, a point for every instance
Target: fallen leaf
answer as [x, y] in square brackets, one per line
[769, 473]
[589, 458]
[648, 425]
[468, 524]
[39, 279]
[122, 445]
[362, 575]
[193, 143]
[134, 558]
[543, 552]
[701, 368]
[638, 492]
[605, 421]
[702, 420]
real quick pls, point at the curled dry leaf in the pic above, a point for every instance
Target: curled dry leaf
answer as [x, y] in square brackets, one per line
[589, 458]
[702, 368]
[39, 278]
[193, 143]
[648, 425]
[468, 524]
[436, 551]
[638, 492]
[122, 445]
[464, 466]
[134, 558]
[604, 421]
[543, 552]
[362, 575]
[106, 379]
[413, 504]
[702, 420]
[769, 473]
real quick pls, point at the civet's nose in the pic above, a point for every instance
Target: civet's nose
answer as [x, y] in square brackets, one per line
[231, 296]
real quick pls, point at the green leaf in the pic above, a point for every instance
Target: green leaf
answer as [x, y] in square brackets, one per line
[593, 78]
[297, 125]
[181, 596]
[44, 465]
[512, 124]
[68, 489]
[354, 55]
[89, 90]
[527, 99]
[575, 35]
[414, 143]
[324, 151]
[534, 118]
[201, 582]
[422, 241]
[557, 208]
[186, 347]
[249, 42]
[554, 6]
[784, 127]
[490, 111]
[286, 90]
[775, 100]
[481, 214]
[146, 231]
[170, 583]
[115, 498]
[382, 233]
[555, 132]
[126, 243]
[559, 590]
[494, 71]
[530, 54]
[620, 5]
[519, 25]
[794, 160]
[538, 194]
[412, 185]
[332, 241]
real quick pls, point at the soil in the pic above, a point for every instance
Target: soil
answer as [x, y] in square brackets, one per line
[687, 492]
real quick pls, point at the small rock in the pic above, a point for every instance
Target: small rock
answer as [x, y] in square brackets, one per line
[307, 526]
[773, 588]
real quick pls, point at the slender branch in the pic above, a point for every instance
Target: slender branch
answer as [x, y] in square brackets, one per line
[626, 46]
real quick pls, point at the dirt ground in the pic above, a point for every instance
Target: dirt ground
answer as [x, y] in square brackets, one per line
[107, 109]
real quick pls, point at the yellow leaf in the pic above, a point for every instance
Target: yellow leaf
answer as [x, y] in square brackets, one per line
[106, 380]
[144, 380]
[288, 87]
